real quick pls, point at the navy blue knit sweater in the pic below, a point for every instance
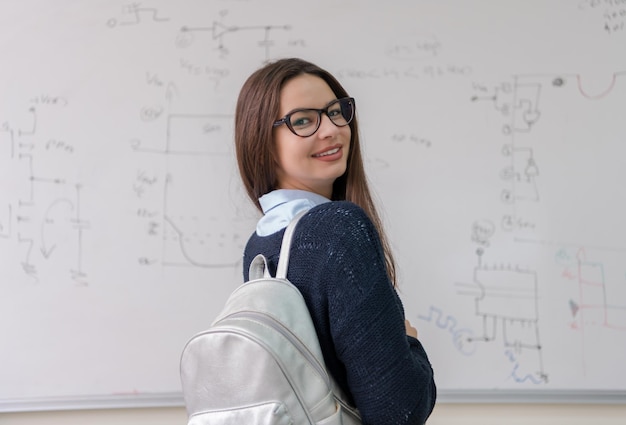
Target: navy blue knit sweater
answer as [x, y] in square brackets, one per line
[337, 262]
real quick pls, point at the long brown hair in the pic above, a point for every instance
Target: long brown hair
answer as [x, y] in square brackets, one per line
[258, 107]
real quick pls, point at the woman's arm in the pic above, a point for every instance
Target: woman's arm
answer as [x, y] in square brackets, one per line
[388, 371]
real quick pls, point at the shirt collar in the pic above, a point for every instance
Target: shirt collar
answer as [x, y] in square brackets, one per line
[281, 205]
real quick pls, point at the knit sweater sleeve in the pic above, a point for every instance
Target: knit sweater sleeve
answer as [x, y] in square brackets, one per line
[388, 373]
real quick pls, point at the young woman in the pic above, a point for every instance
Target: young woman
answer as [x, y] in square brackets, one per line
[297, 145]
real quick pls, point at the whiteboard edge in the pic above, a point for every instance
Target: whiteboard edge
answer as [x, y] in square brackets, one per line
[124, 401]
[175, 399]
[531, 397]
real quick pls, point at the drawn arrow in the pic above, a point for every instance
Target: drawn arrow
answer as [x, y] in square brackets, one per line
[46, 251]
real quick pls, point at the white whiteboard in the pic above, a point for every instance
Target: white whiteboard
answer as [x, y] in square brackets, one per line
[494, 138]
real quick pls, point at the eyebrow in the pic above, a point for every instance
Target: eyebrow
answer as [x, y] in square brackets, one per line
[306, 109]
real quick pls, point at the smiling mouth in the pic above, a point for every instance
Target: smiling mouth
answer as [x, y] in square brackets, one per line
[328, 152]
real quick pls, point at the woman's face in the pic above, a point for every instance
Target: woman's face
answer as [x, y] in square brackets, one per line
[310, 163]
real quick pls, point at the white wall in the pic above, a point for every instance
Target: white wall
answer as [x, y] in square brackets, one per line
[444, 414]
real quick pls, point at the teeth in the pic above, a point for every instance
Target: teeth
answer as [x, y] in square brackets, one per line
[330, 152]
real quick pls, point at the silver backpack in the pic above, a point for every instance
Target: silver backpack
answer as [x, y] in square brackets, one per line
[260, 362]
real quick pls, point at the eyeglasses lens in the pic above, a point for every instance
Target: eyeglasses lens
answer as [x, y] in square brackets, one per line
[306, 122]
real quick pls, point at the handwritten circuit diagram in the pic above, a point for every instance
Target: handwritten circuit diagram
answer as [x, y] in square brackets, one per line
[508, 298]
[41, 224]
[218, 32]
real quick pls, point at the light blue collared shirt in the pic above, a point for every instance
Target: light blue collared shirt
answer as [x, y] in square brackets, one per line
[281, 206]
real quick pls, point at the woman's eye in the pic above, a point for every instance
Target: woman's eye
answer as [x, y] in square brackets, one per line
[300, 122]
[334, 112]
[303, 119]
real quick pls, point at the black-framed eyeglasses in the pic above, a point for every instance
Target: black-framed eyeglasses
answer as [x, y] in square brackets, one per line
[305, 122]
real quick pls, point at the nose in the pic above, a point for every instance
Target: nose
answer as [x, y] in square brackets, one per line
[327, 127]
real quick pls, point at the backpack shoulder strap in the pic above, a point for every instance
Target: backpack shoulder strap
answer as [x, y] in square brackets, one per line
[258, 267]
[283, 261]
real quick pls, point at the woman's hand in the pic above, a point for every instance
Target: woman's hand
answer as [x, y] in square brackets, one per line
[410, 330]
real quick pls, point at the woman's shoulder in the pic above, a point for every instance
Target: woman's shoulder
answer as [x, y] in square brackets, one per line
[340, 220]
[344, 211]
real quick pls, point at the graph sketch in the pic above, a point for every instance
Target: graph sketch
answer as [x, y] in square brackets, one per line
[202, 234]
[195, 147]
